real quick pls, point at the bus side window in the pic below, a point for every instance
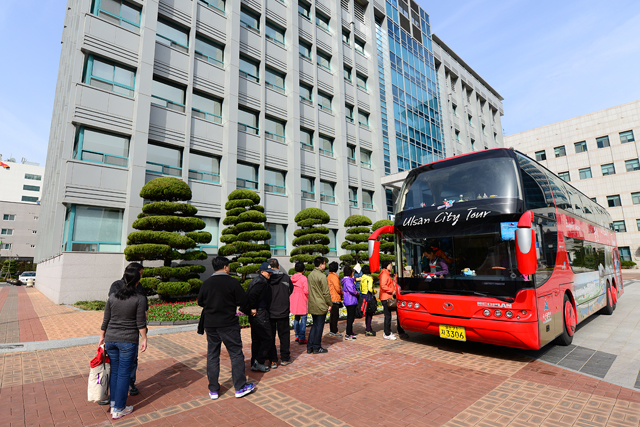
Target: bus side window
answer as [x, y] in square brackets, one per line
[537, 191]
[547, 241]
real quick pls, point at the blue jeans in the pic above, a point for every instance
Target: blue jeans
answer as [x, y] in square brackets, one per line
[123, 356]
[315, 336]
[300, 326]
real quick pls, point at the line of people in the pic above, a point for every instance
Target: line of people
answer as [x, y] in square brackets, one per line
[268, 302]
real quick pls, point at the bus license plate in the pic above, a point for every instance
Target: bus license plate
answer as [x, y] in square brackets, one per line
[453, 332]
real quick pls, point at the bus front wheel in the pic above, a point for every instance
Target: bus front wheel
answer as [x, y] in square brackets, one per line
[568, 322]
[608, 309]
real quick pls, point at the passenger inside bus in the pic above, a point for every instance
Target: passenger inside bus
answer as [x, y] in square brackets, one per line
[436, 265]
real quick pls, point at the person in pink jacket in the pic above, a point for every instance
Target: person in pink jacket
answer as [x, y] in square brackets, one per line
[300, 303]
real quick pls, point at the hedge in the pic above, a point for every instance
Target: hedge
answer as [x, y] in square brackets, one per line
[166, 189]
[310, 222]
[146, 251]
[254, 235]
[240, 194]
[240, 203]
[310, 240]
[248, 226]
[302, 231]
[358, 232]
[357, 220]
[199, 236]
[315, 238]
[235, 211]
[252, 216]
[169, 208]
[313, 213]
[174, 240]
[169, 223]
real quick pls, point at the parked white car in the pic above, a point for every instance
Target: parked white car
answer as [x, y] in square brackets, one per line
[22, 279]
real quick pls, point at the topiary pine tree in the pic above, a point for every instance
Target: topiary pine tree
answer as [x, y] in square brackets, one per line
[358, 232]
[311, 239]
[245, 226]
[167, 232]
[9, 270]
[387, 247]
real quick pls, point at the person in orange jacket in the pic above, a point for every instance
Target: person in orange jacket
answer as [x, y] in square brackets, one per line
[387, 291]
[336, 299]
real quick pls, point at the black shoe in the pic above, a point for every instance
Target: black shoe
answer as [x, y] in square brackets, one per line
[320, 350]
[133, 391]
[107, 401]
[259, 367]
[310, 350]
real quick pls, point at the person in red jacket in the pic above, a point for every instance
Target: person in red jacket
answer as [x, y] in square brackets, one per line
[387, 290]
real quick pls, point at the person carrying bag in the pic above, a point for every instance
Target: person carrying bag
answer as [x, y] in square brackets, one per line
[98, 388]
[369, 309]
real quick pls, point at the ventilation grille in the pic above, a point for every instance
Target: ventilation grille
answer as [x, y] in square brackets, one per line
[163, 69]
[276, 17]
[349, 98]
[206, 209]
[323, 46]
[345, 4]
[252, 51]
[277, 216]
[275, 111]
[175, 14]
[325, 87]
[368, 184]
[91, 116]
[249, 101]
[347, 60]
[366, 144]
[275, 161]
[248, 155]
[351, 139]
[113, 51]
[98, 195]
[208, 85]
[325, 174]
[309, 170]
[359, 11]
[307, 123]
[363, 106]
[362, 69]
[275, 62]
[212, 32]
[162, 134]
[255, 5]
[328, 130]
[353, 181]
[306, 77]
[206, 145]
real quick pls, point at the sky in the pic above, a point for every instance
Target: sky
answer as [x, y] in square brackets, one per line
[550, 60]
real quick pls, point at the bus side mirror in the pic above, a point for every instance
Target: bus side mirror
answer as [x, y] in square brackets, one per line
[526, 250]
[374, 255]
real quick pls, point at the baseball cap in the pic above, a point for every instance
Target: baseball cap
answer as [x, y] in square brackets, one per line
[266, 267]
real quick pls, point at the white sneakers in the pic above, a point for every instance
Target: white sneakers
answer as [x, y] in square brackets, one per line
[390, 337]
[119, 414]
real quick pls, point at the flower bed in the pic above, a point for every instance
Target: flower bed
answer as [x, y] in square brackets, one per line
[168, 311]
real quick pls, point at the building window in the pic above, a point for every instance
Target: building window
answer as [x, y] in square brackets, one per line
[274, 181]
[324, 60]
[306, 139]
[109, 76]
[625, 253]
[6, 232]
[565, 176]
[346, 37]
[217, 4]
[322, 21]
[249, 69]
[30, 199]
[353, 197]
[333, 246]
[204, 167]
[5, 246]
[560, 151]
[361, 81]
[119, 12]
[278, 241]
[35, 218]
[626, 137]
[248, 121]
[585, 173]
[247, 176]
[367, 199]
[635, 198]
[473, 142]
[351, 154]
[31, 187]
[327, 192]
[206, 107]
[306, 94]
[250, 20]
[172, 35]
[101, 147]
[359, 44]
[275, 33]
[8, 217]
[93, 229]
[603, 142]
[454, 108]
[613, 201]
[581, 147]
[608, 169]
[632, 165]
[33, 177]
[619, 226]
[347, 73]
[308, 191]
[469, 119]
[324, 101]
[34, 231]
[638, 224]
[457, 132]
[210, 51]
[349, 113]
[305, 50]
[541, 155]
[164, 160]
[275, 129]
[365, 158]
[325, 145]
[363, 119]
[483, 130]
[304, 10]
[212, 227]
[167, 95]
[275, 80]
[495, 137]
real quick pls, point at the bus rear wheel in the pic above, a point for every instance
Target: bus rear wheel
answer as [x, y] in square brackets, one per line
[568, 322]
[608, 309]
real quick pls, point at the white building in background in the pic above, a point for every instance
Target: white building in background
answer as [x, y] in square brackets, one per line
[600, 155]
[20, 194]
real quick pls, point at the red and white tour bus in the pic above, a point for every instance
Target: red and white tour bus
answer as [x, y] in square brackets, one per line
[493, 247]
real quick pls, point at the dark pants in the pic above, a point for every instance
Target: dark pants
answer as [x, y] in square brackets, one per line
[334, 317]
[281, 326]
[315, 336]
[367, 321]
[387, 317]
[122, 355]
[132, 378]
[232, 340]
[260, 336]
[351, 316]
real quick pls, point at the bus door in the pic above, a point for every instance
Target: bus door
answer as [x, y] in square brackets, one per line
[547, 288]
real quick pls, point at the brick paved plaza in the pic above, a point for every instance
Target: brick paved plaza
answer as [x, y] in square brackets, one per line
[424, 381]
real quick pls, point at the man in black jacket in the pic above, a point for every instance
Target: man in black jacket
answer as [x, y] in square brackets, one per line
[220, 295]
[281, 288]
[257, 308]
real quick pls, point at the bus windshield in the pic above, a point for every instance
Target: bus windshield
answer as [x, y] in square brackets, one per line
[462, 182]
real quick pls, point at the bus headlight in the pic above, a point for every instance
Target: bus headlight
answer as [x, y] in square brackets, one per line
[524, 312]
[403, 304]
[487, 312]
[509, 314]
[416, 305]
[410, 305]
[498, 313]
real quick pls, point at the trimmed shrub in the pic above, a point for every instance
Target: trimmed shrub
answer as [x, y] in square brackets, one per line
[245, 220]
[358, 232]
[311, 241]
[168, 232]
